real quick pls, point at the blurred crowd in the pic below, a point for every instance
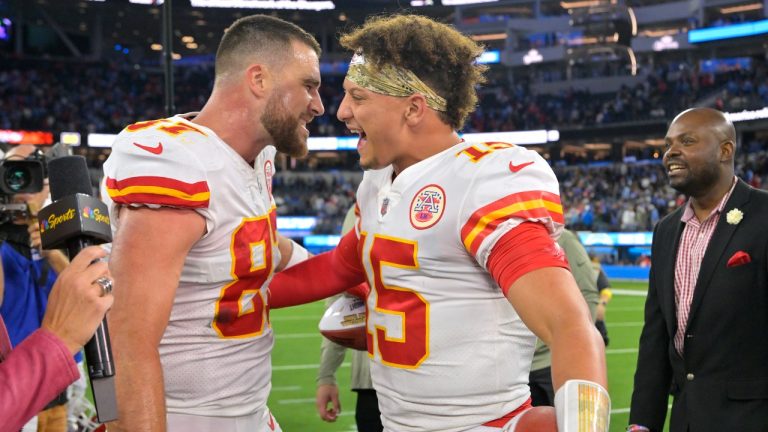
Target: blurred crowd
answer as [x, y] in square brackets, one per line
[104, 97]
[596, 197]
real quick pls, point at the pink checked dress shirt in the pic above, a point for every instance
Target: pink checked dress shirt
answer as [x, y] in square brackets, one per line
[693, 246]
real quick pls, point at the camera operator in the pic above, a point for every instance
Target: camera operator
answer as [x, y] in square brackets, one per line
[29, 275]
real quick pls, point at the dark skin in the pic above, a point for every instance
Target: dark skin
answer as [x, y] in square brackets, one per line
[700, 147]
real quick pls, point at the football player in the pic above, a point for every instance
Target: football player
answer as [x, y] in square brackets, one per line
[457, 241]
[196, 243]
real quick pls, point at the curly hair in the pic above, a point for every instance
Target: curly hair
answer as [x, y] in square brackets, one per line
[437, 53]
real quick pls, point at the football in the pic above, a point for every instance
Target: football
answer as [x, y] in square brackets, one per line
[344, 322]
[536, 419]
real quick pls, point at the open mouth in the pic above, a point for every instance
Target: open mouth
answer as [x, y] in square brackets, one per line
[362, 138]
[674, 169]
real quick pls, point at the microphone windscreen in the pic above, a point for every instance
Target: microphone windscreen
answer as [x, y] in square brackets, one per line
[69, 175]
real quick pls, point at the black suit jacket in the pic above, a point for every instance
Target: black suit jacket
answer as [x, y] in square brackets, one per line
[721, 382]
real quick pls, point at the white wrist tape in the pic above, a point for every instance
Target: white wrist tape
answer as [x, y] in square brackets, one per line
[582, 406]
[298, 254]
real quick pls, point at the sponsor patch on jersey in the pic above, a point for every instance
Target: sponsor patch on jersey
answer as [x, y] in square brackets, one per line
[268, 172]
[427, 206]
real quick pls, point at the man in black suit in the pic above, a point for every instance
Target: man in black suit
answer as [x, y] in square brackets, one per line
[705, 339]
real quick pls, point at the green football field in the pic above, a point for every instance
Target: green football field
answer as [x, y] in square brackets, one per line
[297, 352]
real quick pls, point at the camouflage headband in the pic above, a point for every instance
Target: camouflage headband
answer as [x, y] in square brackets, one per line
[392, 81]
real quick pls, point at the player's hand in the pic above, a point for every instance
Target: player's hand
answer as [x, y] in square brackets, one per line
[77, 304]
[328, 394]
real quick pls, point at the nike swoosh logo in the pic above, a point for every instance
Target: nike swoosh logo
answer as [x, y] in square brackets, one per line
[154, 150]
[515, 168]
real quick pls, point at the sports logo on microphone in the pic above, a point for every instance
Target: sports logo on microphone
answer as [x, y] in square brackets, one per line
[55, 220]
[95, 214]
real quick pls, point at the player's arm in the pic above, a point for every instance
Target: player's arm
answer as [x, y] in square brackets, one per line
[319, 277]
[543, 292]
[147, 257]
[291, 253]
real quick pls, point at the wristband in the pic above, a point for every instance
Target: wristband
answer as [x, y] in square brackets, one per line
[298, 254]
[583, 406]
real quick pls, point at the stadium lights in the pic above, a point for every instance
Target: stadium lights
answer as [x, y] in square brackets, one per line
[579, 4]
[490, 57]
[266, 4]
[710, 34]
[156, 47]
[748, 115]
[489, 36]
[187, 39]
[465, 2]
[532, 56]
[71, 139]
[665, 43]
[741, 8]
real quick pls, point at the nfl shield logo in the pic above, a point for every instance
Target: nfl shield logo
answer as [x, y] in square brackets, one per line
[384, 206]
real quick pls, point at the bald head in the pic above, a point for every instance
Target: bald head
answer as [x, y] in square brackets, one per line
[712, 119]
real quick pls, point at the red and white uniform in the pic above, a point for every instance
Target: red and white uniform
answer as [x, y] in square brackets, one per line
[449, 352]
[215, 351]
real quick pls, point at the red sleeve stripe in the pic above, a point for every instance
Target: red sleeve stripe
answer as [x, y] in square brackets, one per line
[159, 190]
[524, 205]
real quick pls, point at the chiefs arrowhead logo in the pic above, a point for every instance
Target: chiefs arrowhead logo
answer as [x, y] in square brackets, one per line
[515, 168]
[154, 150]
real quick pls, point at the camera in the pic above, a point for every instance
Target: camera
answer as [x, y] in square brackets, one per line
[25, 175]
[22, 176]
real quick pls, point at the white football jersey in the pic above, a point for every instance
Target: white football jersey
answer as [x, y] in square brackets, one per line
[215, 351]
[449, 351]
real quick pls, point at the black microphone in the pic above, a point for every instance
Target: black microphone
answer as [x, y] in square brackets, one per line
[77, 220]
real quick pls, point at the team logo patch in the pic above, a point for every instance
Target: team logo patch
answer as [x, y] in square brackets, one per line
[427, 206]
[268, 171]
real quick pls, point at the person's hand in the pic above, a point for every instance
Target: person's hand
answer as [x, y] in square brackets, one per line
[600, 312]
[328, 393]
[55, 257]
[77, 304]
[33, 228]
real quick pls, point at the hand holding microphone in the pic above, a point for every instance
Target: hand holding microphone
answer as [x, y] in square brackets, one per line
[77, 220]
[77, 302]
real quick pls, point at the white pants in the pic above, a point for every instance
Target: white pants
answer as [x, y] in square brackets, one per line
[262, 421]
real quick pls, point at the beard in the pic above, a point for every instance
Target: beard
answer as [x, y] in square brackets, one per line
[700, 182]
[283, 128]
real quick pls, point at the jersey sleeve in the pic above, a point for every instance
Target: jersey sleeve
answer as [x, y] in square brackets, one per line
[156, 169]
[509, 187]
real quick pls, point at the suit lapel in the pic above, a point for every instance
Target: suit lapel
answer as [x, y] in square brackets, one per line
[717, 244]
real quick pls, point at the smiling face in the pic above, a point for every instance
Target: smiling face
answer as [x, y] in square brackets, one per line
[379, 121]
[294, 101]
[694, 157]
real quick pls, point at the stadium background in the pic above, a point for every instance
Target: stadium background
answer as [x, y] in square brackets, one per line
[589, 84]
